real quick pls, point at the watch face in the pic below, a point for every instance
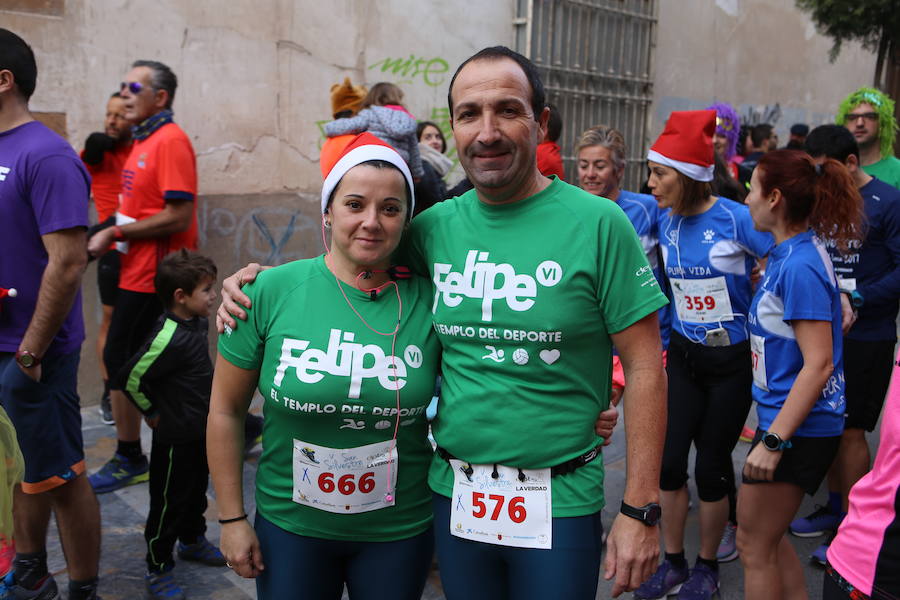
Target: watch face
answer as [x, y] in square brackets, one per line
[654, 512]
[771, 441]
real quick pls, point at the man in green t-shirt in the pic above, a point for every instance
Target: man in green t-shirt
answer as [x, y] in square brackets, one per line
[869, 115]
[533, 281]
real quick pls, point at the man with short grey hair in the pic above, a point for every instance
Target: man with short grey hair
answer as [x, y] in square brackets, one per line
[157, 215]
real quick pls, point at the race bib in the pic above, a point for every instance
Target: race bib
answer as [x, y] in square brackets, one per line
[758, 361]
[123, 220]
[847, 283]
[702, 300]
[344, 480]
[504, 510]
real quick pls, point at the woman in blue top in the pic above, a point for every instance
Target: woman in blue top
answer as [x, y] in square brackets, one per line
[709, 248]
[798, 379]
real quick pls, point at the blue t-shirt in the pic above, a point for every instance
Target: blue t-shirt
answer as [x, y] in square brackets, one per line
[44, 188]
[799, 284]
[643, 212]
[873, 267]
[704, 256]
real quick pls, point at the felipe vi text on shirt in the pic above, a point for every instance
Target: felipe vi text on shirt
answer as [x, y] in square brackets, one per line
[344, 358]
[479, 279]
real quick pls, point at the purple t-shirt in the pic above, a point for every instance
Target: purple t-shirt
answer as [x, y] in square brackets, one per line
[43, 188]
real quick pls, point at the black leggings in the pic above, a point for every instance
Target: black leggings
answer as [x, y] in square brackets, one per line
[709, 398]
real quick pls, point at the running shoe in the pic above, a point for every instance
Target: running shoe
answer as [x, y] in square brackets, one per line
[7, 554]
[701, 584]
[818, 555]
[747, 434]
[105, 410]
[119, 472]
[728, 546]
[161, 585]
[666, 581]
[818, 522]
[46, 591]
[201, 551]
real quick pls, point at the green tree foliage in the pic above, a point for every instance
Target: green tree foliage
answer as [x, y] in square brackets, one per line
[874, 23]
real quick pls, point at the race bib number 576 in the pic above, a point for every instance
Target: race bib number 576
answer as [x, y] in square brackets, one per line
[506, 510]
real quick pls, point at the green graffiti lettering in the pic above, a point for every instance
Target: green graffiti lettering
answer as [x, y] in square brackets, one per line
[431, 70]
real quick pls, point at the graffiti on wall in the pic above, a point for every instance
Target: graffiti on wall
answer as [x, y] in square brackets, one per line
[432, 71]
[755, 115]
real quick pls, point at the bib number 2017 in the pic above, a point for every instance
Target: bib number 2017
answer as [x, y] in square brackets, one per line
[515, 508]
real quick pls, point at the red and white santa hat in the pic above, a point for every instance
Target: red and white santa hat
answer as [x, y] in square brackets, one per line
[362, 148]
[686, 144]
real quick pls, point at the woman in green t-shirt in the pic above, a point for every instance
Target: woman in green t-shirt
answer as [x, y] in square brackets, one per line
[342, 349]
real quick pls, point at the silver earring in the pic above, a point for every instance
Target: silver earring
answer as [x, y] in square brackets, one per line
[327, 224]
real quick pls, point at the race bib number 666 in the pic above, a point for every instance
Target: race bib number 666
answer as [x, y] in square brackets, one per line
[344, 480]
[507, 510]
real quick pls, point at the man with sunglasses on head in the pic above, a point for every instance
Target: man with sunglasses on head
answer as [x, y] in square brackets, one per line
[44, 192]
[156, 216]
[869, 115]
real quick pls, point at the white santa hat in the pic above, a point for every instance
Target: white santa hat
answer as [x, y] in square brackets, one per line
[686, 144]
[363, 148]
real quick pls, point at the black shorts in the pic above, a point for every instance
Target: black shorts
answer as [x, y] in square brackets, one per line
[133, 318]
[867, 370]
[805, 463]
[108, 277]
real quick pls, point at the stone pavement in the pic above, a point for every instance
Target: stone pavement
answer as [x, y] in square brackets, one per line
[124, 511]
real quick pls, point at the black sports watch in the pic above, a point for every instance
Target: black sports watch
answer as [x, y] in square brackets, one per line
[774, 443]
[648, 514]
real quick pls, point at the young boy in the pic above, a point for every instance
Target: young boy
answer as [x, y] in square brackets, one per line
[169, 380]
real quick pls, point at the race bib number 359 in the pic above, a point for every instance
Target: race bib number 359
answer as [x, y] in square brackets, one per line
[503, 510]
[702, 300]
[344, 480]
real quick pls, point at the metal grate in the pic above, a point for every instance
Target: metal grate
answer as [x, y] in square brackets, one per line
[595, 58]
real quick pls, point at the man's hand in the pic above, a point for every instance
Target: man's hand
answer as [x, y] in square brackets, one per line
[608, 419]
[233, 298]
[632, 554]
[99, 243]
[33, 373]
[848, 314]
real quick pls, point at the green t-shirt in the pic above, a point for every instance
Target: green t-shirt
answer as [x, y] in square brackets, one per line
[887, 169]
[526, 295]
[328, 380]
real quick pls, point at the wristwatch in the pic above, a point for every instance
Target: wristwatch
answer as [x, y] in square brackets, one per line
[648, 514]
[27, 359]
[856, 299]
[774, 443]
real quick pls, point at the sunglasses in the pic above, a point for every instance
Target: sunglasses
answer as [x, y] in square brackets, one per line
[853, 117]
[134, 87]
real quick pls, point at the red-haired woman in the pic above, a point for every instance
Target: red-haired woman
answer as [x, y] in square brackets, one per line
[795, 337]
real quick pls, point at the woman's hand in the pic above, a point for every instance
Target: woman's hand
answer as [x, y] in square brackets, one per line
[240, 546]
[233, 298]
[761, 463]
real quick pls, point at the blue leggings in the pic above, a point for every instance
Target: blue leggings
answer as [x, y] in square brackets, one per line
[478, 571]
[307, 568]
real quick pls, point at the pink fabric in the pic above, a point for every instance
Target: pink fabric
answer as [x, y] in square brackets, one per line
[401, 109]
[854, 551]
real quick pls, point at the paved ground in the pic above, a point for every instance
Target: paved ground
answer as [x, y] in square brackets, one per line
[124, 512]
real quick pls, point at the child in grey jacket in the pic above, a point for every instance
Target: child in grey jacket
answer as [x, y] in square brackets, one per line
[385, 117]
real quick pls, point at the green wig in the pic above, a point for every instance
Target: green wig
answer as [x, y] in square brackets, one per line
[884, 106]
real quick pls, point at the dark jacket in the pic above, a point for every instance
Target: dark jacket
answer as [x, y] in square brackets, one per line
[171, 376]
